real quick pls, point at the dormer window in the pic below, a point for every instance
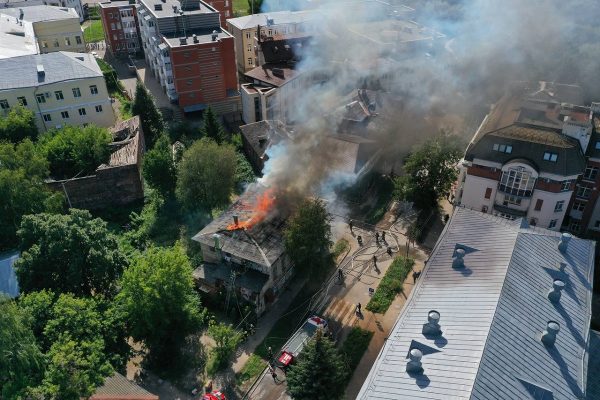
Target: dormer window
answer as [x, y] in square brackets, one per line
[548, 156]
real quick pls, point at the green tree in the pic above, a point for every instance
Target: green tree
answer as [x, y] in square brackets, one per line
[158, 298]
[212, 128]
[22, 188]
[320, 373]
[21, 361]
[206, 175]
[308, 237]
[152, 120]
[244, 173]
[68, 253]
[75, 150]
[19, 124]
[38, 308]
[158, 166]
[226, 340]
[254, 6]
[429, 172]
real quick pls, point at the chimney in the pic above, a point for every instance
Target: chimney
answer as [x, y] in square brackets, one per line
[458, 261]
[549, 335]
[235, 220]
[215, 35]
[195, 37]
[564, 242]
[182, 40]
[40, 72]
[432, 327]
[414, 365]
[557, 287]
[217, 240]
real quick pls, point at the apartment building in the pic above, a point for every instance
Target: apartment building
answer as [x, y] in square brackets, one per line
[40, 29]
[528, 158]
[192, 57]
[280, 23]
[76, 4]
[60, 88]
[121, 31]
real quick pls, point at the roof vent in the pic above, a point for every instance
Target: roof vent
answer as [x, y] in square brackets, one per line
[564, 242]
[40, 71]
[195, 38]
[278, 72]
[432, 327]
[458, 261]
[414, 365]
[182, 40]
[158, 7]
[235, 220]
[549, 335]
[217, 239]
[557, 287]
[215, 35]
[175, 9]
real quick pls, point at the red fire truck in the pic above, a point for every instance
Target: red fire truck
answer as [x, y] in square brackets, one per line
[292, 348]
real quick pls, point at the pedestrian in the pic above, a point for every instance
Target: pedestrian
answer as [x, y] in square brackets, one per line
[376, 237]
[351, 225]
[270, 352]
[359, 240]
[274, 375]
[416, 275]
[358, 307]
[374, 260]
[383, 236]
[389, 251]
[340, 275]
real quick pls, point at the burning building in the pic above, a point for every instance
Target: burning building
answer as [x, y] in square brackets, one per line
[243, 251]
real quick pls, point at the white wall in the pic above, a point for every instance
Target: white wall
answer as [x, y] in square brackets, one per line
[546, 214]
[473, 195]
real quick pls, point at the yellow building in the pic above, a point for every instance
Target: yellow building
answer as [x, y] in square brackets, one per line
[280, 23]
[48, 29]
[60, 88]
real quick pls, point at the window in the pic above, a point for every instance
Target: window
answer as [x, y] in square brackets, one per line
[583, 191]
[59, 95]
[548, 156]
[82, 111]
[575, 225]
[40, 98]
[517, 181]
[270, 32]
[249, 60]
[508, 199]
[579, 206]
[112, 26]
[226, 13]
[590, 173]
[538, 205]
[98, 108]
[115, 37]
[64, 114]
[4, 104]
[44, 44]
[78, 40]
[22, 101]
[597, 224]
[94, 89]
[56, 44]
[502, 148]
[565, 186]
[110, 16]
[76, 92]
[67, 41]
[488, 193]
[552, 223]
[249, 46]
[47, 118]
[118, 25]
[597, 145]
[559, 206]
[248, 34]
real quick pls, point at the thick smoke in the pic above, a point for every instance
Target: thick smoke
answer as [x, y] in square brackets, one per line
[444, 84]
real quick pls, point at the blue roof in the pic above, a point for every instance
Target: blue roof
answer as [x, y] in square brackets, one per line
[8, 278]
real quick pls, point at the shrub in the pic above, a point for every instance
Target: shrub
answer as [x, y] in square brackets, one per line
[390, 285]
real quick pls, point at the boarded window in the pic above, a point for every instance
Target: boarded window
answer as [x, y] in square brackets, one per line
[538, 204]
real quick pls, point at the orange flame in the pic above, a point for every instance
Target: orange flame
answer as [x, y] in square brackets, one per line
[263, 204]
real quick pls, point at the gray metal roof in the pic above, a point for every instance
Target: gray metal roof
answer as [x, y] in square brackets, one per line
[492, 315]
[20, 72]
[278, 17]
[42, 13]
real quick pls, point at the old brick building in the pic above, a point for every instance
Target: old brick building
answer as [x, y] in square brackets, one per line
[119, 20]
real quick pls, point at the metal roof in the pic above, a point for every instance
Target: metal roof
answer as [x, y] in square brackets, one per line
[492, 315]
[41, 13]
[21, 72]
[278, 17]
[117, 387]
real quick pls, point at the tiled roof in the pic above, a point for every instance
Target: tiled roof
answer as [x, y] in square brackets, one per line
[117, 387]
[21, 72]
[493, 312]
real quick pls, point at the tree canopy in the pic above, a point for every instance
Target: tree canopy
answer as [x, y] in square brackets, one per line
[75, 150]
[159, 168]
[212, 128]
[151, 119]
[22, 188]
[226, 341]
[19, 124]
[319, 374]
[160, 303]
[308, 237]
[429, 172]
[206, 175]
[254, 6]
[72, 253]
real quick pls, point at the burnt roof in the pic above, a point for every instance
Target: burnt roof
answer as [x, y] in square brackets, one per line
[261, 244]
[277, 50]
[260, 135]
[277, 74]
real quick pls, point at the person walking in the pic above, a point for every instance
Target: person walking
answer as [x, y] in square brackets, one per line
[358, 307]
[377, 237]
[383, 236]
[351, 225]
[389, 251]
[270, 352]
[340, 275]
[274, 375]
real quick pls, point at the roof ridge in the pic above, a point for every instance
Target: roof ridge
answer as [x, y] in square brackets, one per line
[80, 62]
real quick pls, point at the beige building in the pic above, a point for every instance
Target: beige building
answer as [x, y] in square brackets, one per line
[60, 88]
[280, 23]
[40, 29]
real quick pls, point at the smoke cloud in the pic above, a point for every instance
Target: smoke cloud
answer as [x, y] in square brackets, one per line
[478, 48]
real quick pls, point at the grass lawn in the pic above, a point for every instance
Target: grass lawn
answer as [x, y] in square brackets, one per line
[240, 8]
[253, 367]
[390, 285]
[355, 346]
[94, 32]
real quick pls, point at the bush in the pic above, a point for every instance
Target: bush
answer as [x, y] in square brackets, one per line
[390, 285]
[253, 367]
[340, 246]
[355, 346]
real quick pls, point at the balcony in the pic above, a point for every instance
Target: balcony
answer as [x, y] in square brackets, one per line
[515, 191]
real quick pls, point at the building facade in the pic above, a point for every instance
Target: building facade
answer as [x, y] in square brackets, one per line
[76, 4]
[528, 158]
[280, 23]
[192, 57]
[60, 88]
[121, 30]
[48, 28]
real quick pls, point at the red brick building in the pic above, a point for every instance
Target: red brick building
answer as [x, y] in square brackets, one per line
[119, 20]
[224, 7]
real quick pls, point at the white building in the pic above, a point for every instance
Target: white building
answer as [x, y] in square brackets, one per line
[60, 88]
[76, 4]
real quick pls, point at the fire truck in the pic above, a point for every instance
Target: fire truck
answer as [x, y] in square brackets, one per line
[214, 395]
[293, 347]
